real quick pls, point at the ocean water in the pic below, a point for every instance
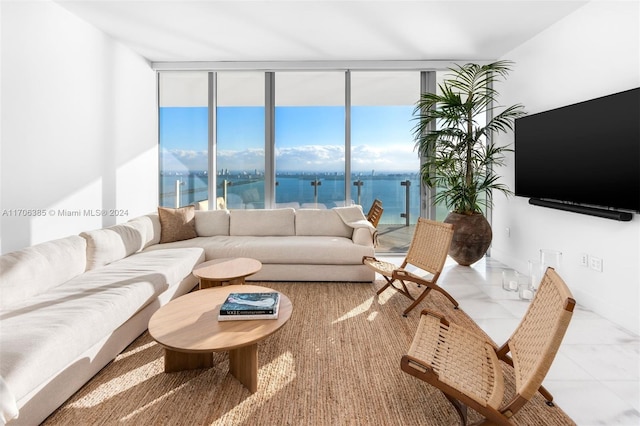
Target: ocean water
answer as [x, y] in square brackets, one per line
[247, 191]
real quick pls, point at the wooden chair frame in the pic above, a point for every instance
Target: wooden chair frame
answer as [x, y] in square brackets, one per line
[466, 367]
[428, 252]
[375, 212]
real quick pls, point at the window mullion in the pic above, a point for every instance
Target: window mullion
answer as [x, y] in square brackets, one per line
[269, 141]
[347, 137]
[212, 142]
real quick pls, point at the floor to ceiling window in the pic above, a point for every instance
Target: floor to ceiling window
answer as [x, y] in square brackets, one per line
[183, 132]
[384, 164]
[305, 139]
[311, 156]
[240, 140]
[310, 139]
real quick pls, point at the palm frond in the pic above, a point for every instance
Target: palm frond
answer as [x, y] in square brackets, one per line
[458, 161]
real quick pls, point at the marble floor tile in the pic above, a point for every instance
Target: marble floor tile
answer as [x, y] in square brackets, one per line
[589, 403]
[606, 362]
[598, 331]
[627, 390]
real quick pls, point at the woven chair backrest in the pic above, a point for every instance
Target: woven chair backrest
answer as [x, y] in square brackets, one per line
[430, 245]
[535, 342]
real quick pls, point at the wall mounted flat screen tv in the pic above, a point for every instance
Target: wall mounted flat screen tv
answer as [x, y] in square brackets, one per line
[587, 154]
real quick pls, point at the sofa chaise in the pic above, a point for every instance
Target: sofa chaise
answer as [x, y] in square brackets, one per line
[70, 306]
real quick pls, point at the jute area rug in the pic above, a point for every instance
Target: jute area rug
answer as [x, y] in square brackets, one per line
[336, 362]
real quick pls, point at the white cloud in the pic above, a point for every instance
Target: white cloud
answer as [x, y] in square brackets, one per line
[390, 157]
[183, 160]
[248, 159]
[328, 158]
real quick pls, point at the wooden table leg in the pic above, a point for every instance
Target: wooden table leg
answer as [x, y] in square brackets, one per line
[179, 361]
[204, 283]
[243, 365]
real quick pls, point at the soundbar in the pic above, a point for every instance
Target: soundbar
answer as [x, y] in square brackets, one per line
[591, 211]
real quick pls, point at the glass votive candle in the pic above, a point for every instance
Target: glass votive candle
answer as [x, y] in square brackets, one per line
[511, 280]
[535, 273]
[550, 258]
[525, 292]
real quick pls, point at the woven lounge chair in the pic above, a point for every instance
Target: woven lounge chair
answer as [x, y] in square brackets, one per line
[428, 252]
[375, 212]
[466, 367]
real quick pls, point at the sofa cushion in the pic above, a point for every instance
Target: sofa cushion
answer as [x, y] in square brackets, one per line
[316, 250]
[199, 242]
[107, 245]
[149, 226]
[42, 335]
[177, 224]
[28, 272]
[212, 222]
[261, 223]
[321, 222]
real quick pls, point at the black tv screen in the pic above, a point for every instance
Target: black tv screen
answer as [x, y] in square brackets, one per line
[587, 153]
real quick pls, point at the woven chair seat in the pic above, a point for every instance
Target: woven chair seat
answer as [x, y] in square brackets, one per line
[461, 359]
[387, 269]
[381, 267]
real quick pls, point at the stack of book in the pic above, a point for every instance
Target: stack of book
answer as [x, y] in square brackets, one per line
[250, 306]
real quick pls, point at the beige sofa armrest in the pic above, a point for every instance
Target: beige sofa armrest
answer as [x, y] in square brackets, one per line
[363, 237]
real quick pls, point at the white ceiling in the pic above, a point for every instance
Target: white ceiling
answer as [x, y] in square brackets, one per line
[313, 30]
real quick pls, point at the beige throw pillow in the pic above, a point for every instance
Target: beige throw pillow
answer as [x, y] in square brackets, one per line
[177, 224]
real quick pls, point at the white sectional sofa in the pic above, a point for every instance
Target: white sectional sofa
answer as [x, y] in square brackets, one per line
[69, 306]
[293, 245]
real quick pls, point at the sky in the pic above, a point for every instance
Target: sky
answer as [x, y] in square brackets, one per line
[307, 138]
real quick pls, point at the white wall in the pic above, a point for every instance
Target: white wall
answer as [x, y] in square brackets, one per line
[593, 52]
[79, 126]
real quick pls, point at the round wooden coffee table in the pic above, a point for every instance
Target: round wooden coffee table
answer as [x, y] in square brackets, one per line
[189, 330]
[226, 271]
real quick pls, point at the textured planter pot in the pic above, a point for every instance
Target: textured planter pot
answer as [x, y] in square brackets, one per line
[471, 237]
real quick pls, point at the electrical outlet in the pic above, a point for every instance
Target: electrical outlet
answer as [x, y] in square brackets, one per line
[595, 263]
[508, 232]
[584, 259]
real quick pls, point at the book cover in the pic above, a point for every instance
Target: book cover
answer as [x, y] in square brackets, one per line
[251, 304]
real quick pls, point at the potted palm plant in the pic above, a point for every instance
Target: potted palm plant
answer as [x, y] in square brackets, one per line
[453, 136]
